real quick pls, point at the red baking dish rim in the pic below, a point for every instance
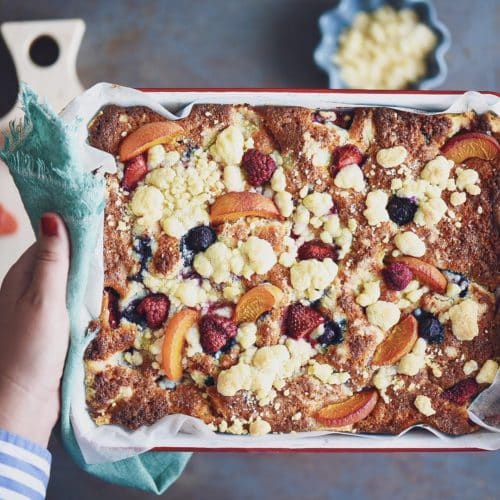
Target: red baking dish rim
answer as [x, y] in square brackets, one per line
[317, 450]
[318, 91]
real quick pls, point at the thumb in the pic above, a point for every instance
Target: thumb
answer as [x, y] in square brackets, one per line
[51, 263]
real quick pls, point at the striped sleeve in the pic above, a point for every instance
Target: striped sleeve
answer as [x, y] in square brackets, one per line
[24, 468]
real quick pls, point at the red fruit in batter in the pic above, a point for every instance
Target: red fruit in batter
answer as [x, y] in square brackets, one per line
[134, 171]
[258, 167]
[397, 275]
[317, 249]
[345, 155]
[301, 320]
[154, 308]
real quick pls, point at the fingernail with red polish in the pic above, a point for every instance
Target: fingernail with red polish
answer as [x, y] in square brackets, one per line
[48, 223]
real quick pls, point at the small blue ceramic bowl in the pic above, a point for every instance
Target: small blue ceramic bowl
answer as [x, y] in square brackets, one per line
[336, 20]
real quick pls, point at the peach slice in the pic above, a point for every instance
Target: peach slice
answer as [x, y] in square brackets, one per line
[471, 145]
[232, 206]
[147, 136]
[173, 342]
[349, 411]
[398, 343]
[256, 302]
[424, 272]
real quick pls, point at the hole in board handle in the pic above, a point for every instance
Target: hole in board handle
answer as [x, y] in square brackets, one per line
[44, 51]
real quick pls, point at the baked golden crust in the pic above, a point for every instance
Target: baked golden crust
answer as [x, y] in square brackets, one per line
[110, 126]
[244, 384]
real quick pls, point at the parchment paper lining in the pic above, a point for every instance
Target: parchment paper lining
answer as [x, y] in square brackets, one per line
[111, 442]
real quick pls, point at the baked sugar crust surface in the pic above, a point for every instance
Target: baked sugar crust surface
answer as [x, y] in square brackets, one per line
[326, 237]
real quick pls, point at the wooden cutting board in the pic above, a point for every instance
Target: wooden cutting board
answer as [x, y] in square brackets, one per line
[58, 83]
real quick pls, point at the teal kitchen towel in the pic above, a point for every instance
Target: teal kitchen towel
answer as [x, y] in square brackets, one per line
[41, 153]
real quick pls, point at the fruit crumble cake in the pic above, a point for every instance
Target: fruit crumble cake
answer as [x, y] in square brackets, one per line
[281, 269]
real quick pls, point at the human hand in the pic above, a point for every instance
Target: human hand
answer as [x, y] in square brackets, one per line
[34, 334]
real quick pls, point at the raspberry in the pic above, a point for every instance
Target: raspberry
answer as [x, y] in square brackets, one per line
[317, 249]
[429, 327]
[135, 170]
[345, 155]
[114, 312]
[155, 309]
[258, 166]
[213, 341]
[215, 331]
[460, 393]
[200, 238]
[301, 320]
[397, 275]
[333, 333]
[401, 210]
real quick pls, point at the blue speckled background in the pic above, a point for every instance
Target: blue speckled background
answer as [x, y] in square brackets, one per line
[261, 43]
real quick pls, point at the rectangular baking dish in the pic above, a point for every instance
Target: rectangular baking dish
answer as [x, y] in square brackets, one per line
[417, 440]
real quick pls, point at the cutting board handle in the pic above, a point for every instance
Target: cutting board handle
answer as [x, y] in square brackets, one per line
[58, 82]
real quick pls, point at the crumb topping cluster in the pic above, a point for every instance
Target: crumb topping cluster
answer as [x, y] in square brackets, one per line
[384, 49]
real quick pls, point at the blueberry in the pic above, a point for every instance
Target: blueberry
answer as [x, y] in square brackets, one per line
[209, 381]
[188, 153]
[429, 327]
[164, 383]
[130, 314]
[200, 238]
[229, 344]
[333, 333]
[401, 210]
[458, 279]
[190, 274]
[427, 137]
[142, 246]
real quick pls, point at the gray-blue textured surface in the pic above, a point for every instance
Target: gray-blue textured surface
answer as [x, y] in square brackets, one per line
[252, 43]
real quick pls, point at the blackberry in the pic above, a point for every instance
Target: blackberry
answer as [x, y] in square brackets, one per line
[200, 238]
[429, 327]
[401, 210]
[458, 279]
[186, 253]
[333, 333]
